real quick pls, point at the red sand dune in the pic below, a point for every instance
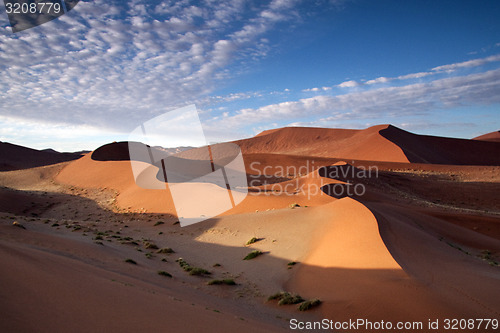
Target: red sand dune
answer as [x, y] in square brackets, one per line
[377, 143]
[389, 255]
[493, 136]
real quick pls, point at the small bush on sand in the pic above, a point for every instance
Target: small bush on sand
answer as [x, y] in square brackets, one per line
[307, 305]
[284, 298]
[190, 269]
[149, 245]
[252, 240]
[294, 205]
[253, 254]
[229, 282]
[165, 250]
[163, 273]
[130, 261]
[159, 223]
[17, 224]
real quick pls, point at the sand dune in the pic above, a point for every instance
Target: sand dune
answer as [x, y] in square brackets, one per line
[14, 157]
[377, 143]
[440, 150]
[420, 243]
[345, 144]
[493, 136]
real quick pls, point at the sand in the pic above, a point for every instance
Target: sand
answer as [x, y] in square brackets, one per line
[422, 242]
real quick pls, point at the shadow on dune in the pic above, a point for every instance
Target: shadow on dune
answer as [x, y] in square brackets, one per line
[441, 150]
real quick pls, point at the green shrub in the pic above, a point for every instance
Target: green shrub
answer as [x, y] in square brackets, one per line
[163, 273]
[149, 245]
[284, 298]
[252, 240]
[165, 250]
[198, 271]
[229, 282]
[253, 254]
[290, 299]
[190, 269]
[307, 305]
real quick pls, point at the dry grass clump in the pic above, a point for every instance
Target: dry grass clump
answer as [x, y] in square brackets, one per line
[307, 305]
[190, 269]
[165, 250]
[163, 273]
[149, 245]
[19, 225]
[229, 282]
[284, 298]
[252, 240]
[253, 254]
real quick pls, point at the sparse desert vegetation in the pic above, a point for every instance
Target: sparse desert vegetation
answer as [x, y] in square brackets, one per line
[229, 282]
[285, 298]
[307, 305]
[192, 270]
[252, 240]
[165, 250]
[164, 273]
[253, 254]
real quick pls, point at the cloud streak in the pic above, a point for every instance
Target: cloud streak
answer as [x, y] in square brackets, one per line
[436, 70]
[412, 99]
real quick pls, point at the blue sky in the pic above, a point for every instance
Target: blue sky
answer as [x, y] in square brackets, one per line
[95, 74]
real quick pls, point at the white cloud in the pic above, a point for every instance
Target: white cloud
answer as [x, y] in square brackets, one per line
[115, 64]
[470, 63]
[58, 136]
[381, 79]
[436, 70]
[348, 84]
[412, 99]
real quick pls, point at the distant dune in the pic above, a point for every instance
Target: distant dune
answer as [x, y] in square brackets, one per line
[493, 136]
[14, 157]
[377, 143]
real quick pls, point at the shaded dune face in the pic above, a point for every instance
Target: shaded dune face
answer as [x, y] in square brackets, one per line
[440, 150]
[14, 157]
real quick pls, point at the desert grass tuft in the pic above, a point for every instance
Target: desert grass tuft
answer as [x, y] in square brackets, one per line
[253, 254]
[285, 298]
[229, 282]
[163, 273]
[149, 245]
[252, 240]
[307, 305]
[165, 250]
[19, 225]
[190, 269]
